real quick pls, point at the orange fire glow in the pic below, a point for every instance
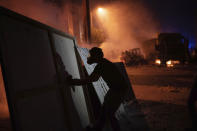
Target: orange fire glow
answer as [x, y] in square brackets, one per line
[172, 63]
[158, 61]
[126, 26]
[100, 10]
[45, 12]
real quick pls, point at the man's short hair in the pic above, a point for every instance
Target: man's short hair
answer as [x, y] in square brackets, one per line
[96, 52]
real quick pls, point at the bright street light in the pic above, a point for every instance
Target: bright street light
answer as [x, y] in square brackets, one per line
[101, 11]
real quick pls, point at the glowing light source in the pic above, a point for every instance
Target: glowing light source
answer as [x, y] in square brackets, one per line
[171, 63]
[100, 10]
[158, 61]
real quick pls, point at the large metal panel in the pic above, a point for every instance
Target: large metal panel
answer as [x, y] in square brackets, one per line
[130, 94]
[35, 101]
[100, 86]
[65, 47]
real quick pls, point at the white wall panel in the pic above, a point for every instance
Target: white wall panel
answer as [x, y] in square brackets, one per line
[65, 48]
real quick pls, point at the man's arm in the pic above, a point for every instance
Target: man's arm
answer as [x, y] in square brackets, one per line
[93, 77]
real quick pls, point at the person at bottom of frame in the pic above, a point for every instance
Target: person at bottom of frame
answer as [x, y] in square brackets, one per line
[191, 104]
[117, 88]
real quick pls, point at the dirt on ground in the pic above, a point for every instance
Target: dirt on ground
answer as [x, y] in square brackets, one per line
[162, 94]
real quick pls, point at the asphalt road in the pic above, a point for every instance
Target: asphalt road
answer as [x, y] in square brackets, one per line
[162, 93]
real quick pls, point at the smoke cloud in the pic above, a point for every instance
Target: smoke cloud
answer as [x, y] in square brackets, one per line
[64, 15]
[49, 14]
[126, 25]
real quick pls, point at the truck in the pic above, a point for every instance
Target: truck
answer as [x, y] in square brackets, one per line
[172, 47]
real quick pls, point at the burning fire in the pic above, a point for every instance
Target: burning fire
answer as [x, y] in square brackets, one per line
[158, 61]
[171, 63]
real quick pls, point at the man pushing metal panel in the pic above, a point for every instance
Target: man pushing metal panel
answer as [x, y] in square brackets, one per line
[118, 88]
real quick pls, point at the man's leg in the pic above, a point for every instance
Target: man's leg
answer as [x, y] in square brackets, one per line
[107, 113]
[114, 123]
[111, 104]
[100, 122]
[114, 100]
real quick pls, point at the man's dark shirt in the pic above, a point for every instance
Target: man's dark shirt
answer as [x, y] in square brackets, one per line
[110, 74]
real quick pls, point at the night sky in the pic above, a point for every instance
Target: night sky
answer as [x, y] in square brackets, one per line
[176, 16]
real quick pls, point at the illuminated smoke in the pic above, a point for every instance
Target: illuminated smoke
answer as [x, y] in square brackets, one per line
[36, 9]
[63, 15]
[126, 26]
